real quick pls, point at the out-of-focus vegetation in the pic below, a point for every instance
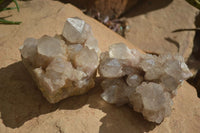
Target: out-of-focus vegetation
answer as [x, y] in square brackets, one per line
[195, 3]
[3, 7]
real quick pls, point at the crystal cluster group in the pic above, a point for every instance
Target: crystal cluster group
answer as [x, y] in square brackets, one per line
[66, 65]
[148, 82]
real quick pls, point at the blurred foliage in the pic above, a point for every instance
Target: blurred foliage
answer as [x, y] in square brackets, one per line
[3, 7]
[195, 3]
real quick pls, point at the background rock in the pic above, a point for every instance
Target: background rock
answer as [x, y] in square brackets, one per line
[23, 108]
[111, 8]
[151, 28]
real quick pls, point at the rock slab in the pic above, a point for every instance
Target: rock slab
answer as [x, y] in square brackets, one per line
[23, 108]
[151, 26]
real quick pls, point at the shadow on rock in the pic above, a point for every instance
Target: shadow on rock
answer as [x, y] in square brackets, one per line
[20, 101]
[145, 6]
[194, 60]
[118, 119]
[20, 98]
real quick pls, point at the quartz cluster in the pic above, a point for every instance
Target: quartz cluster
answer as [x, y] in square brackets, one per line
[147, 82]
[64, 65]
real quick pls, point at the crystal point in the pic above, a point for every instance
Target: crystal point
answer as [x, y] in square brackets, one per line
[74, 30]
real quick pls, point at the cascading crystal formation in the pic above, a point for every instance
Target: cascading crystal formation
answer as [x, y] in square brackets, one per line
[64, 65]
[148, 82]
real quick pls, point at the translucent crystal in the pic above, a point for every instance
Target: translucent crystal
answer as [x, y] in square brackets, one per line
[171, 62]
[29, 49]
[73, 50]
[124, 54]
[134, 80]
[75, 31]
[114, 91]
[146, 81]
[92, 43]
[152, 67]
[62, 66]
[110, 67]
[152, 101]
[119, 51]
[47, 49]
[86, 60]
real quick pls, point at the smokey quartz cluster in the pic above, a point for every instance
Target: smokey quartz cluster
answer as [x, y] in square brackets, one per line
[64, 65]
[148, 82]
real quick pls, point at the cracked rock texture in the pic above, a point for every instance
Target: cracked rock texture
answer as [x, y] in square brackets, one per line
[23, 109]
[146, 81]
[63, 66]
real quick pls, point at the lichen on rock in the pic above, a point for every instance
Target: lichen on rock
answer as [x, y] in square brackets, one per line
[148, 82]
[64, 65]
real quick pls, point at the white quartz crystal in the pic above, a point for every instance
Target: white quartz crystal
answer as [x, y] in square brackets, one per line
[115, 93]
[119, 51]
[28, 50]
[92, 43]
[73, 30]
[63, 65]
[148, 82]
[151, 99]
[134, 80]
[111, 68]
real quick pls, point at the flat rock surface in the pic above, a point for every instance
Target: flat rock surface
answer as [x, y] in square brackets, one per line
[23, 108]
[152, 22]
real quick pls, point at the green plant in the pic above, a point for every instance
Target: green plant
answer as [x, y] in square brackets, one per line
[2, 19]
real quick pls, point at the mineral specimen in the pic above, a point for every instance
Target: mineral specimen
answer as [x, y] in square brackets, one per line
[64, 65]
[148, 82]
